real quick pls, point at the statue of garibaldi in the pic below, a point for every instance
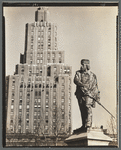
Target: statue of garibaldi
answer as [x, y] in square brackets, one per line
[86, 92]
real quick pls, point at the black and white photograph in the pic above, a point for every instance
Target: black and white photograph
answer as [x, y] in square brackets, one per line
[61, 73]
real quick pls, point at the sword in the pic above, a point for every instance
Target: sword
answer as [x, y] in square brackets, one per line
[102, 106]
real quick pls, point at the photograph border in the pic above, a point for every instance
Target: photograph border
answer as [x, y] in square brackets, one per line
[58, 3]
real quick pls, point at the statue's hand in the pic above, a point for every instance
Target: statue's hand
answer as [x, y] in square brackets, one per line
[98, 102]
[88, 94]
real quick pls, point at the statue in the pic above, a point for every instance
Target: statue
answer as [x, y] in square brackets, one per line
[86, 93]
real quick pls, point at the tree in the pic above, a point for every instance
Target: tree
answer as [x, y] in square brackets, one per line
[112, 130]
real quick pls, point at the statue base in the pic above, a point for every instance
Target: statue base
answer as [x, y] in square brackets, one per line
[90, 137]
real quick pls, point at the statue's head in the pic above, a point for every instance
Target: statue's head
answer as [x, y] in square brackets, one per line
[85, 65]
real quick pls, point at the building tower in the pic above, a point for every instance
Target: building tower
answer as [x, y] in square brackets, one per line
[39, 93]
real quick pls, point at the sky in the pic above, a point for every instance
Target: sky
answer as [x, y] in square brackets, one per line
[83, 33]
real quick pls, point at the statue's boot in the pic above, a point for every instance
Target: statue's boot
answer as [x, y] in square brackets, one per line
[79, 130]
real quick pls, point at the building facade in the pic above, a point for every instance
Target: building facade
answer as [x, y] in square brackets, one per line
[39, 92]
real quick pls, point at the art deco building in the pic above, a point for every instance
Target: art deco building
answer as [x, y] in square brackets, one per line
[39, 93]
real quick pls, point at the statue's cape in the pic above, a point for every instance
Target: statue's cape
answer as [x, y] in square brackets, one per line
[90, 86]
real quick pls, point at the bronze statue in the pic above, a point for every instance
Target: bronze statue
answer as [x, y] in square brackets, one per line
[86, 92]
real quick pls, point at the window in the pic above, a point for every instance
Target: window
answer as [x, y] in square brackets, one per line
[63, 93]
[27, 121]
[35, 113]
[11, 113]
[39, 106]
[12, 94]
[32, 39]
[62, 100]
[63, 116]
[35, 106]
[46, 106]
[55, 44]
[53, 120]
[55, 69]
[28, 100]
[12, 101]
[20, 106]
[63, 80]
[11, 121]
[46, 114]
[38, 46]
[12, 106]
[31, 54]
[47, 93]
[48, 60]
[27, 106]
[31, 46]
[27, 115]
[13, 87]
[69, 107]
[47, 85]
[38, 100]
[32, 28]
[59, 55]
[62, 106]
[39, 33]
[65, 70]
[36, 86]
[20, 111]
[20, 101]
[54, 101]
[42, 33]
[28, 93]
[13, 80]
[38, 54]
[37, 61]
[21, 85]
[49, 33]
[47, 100]
[39, 93]
[54, 107]
[32, 33]
[41, 55]
[49, 71]
[28, 86]
[46, 127]
[54, 93]
[40, 60]
[68, 70]
[53, 54]
[36, 93]
[48, 55]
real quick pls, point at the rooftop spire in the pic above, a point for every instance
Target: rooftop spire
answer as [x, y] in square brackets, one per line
[41, 14]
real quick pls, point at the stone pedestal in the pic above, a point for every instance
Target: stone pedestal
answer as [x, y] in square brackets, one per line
[92, 137]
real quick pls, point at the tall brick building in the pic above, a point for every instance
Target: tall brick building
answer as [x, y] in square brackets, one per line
[39, 93]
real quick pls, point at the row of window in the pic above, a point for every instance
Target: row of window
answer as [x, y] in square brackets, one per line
[66, 70]
[41, 27]
[48, 55]
[37, 86]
